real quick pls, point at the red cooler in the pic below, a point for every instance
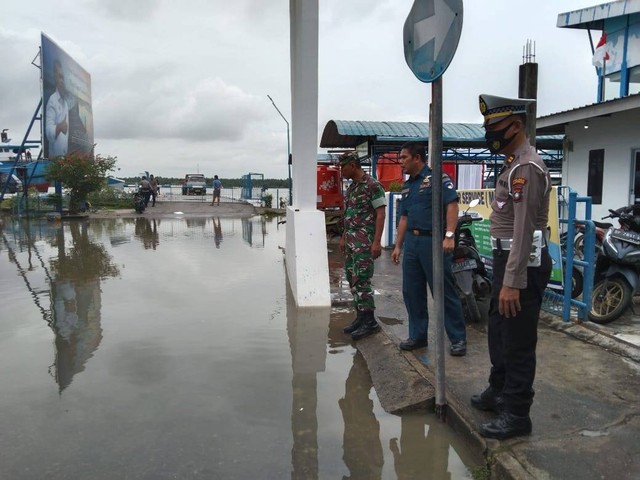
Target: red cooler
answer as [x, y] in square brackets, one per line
[329, 195]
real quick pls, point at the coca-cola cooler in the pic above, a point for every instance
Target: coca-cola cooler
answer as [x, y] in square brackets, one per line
[329, 193]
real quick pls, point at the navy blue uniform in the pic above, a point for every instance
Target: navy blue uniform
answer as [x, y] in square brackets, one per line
[417, 263]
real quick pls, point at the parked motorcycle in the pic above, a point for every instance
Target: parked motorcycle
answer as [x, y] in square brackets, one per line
[468, 269]
[617, 271]
[138, 202]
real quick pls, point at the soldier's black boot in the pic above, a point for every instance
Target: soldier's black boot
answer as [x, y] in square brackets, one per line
[369, 326]
[353, 326]
[507, 425]
[489, 400]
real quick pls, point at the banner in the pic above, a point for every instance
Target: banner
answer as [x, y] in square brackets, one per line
[480, 229]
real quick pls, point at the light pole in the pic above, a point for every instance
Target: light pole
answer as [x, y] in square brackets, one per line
[288, 147]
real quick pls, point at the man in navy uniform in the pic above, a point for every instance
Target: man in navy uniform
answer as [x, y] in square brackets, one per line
[414, 231]
[521, 267]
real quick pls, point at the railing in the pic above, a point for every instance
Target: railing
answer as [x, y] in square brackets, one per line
[570, 261]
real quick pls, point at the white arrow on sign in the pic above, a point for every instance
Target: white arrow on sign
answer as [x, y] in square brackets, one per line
[427, 29]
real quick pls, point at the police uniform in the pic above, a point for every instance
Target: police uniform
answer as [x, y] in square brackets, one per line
[417, 262]
[520, 208]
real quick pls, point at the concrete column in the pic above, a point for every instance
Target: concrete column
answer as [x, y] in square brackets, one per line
[306, 245]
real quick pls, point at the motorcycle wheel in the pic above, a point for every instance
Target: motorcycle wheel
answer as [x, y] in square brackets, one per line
[470, 308]
[609, 302]
[577, 283]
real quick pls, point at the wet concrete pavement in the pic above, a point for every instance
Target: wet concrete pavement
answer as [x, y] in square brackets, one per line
[586, 414]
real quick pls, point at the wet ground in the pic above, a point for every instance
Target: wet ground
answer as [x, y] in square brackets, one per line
[158, 348]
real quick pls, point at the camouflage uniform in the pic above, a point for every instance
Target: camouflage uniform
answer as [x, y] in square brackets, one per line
[362, 199]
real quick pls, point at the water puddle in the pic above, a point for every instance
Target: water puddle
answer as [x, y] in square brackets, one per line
[171, 348]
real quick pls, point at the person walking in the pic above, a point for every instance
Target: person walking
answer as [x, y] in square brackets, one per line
[217, 190]
[145, 189]
[364, 214]
[414, 233]
[521, 268]
[153, 183]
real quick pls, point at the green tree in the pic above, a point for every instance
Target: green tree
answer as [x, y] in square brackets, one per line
[81, 174]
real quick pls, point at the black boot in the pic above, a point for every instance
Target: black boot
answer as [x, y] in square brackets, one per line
[369, 326]
[353, 326]
[489, 400]
[507, 425]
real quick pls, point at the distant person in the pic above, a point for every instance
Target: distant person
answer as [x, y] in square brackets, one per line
[57, 116]
[4, 136]
[154, 189]
[364, 214]
[28, 155]
[217, 190]
[145, 190]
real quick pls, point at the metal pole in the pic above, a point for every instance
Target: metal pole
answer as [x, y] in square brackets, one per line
[435, 159]
[288, 147]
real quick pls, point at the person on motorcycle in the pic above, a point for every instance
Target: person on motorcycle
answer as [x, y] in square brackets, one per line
[521, 268]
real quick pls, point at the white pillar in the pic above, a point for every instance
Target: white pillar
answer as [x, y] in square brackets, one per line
[306, 245]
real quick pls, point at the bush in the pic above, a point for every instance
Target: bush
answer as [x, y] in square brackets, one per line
[82, 174]
[108, 197]
[395, 186]
[267, 199]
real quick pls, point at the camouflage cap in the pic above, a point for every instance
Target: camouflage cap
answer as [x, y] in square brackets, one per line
[348, 157]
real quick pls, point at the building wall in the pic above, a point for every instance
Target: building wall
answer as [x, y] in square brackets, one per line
[619, 136]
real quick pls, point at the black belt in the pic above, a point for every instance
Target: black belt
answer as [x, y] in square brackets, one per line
[419, 232]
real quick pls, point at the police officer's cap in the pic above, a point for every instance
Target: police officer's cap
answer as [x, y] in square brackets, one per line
[495, 109]
[348, 157]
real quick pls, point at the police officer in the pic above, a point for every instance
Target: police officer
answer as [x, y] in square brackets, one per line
[414, 232]
[364, 214]
[521, 267]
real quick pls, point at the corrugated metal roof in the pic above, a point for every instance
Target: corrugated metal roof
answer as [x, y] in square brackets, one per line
[594, 17]
[349, 134]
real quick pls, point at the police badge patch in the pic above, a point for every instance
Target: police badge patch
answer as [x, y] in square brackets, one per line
[517, 189]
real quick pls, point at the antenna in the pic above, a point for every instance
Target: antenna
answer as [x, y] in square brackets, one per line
[529, 52]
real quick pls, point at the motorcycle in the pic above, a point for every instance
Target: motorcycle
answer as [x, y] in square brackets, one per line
[468, 269]
[138, 201]
[617, 270]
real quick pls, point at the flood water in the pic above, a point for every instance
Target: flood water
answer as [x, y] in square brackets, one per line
[161, 349]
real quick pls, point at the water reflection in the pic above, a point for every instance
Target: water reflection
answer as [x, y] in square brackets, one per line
[254, 230]
[361, 441]
[217, 231]
[147, 231]
[307, 329]
[423, 447]
[76, 300]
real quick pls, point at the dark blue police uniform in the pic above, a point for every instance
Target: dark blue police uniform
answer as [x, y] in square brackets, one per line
[417, 263]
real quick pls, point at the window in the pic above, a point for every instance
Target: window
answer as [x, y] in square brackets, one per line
[596, 174]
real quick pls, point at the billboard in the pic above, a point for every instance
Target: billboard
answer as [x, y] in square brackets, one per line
[66, 93]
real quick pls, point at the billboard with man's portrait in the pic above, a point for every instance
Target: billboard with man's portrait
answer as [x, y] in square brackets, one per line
[67, 124]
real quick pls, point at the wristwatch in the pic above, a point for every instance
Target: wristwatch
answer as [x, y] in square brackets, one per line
[449, 234]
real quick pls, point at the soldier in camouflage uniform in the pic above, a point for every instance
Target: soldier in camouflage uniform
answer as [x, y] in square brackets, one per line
[364, 215]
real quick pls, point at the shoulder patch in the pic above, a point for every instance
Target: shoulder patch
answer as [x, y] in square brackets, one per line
[518, 181]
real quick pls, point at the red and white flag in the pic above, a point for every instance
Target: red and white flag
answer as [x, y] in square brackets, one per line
[601, 53]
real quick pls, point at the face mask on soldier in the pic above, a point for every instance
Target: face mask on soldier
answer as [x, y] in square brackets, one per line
[496, 140]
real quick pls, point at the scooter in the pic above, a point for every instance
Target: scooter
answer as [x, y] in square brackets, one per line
[617, 271]
[468, 269]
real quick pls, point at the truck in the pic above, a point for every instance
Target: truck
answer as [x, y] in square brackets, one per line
[194, 184]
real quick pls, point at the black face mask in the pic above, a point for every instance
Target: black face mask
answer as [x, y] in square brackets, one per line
[496, 140]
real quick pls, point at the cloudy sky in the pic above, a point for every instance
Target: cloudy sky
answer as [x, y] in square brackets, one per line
[181, 85]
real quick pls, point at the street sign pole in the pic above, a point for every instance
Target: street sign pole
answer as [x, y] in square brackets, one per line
[431, 34]
[435, 159]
